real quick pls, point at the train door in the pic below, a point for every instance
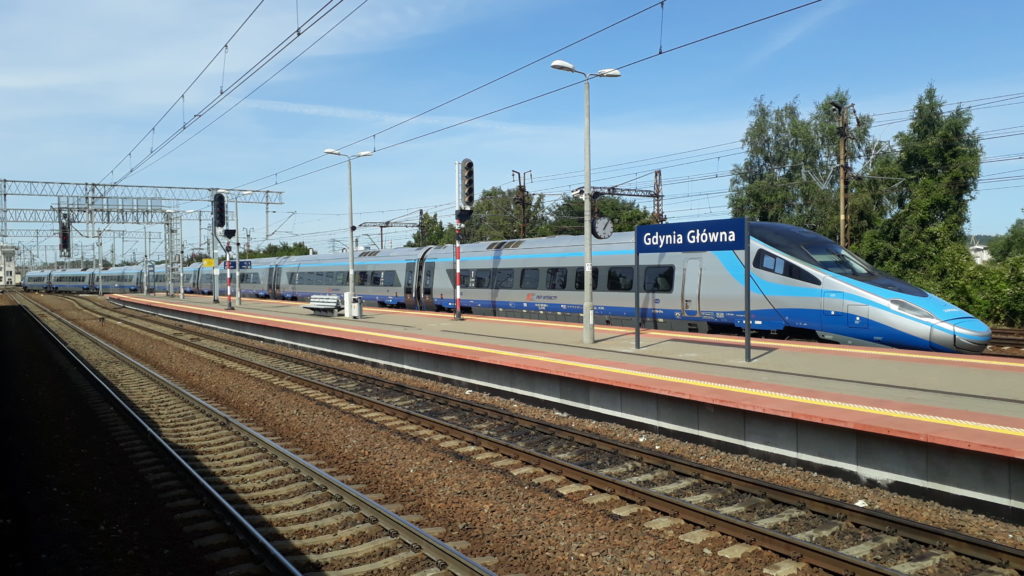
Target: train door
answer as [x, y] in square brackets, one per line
[148, 277]
[833, 303]
[691, 287]
[274, 283]
[426, 292]
[411, 302]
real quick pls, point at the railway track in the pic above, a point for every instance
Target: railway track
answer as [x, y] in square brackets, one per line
[1008, 337]
[698, 500]
[286, 516]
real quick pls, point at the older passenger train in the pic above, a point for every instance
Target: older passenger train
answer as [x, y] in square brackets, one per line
[802, 285]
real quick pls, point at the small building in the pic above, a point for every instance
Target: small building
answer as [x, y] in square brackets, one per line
[8, 275]
[980, 253]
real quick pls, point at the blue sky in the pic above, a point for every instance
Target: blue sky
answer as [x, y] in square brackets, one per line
[84, 82]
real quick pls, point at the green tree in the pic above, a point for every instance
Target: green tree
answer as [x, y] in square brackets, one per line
[432, 232]
[504, 215]
[936, 163]
[1010, 244]
[791, 173]
[1002, 284]
[282, 249]
[566, 216]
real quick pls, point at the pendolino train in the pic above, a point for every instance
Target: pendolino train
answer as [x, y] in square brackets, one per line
[802, 285]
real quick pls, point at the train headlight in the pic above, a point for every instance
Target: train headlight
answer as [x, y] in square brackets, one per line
[912, 309]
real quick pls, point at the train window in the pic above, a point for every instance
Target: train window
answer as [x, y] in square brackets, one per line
[473, 278]
[362, 278]
[767, 261]
[530, 279]
[556, 278]
[838, 260]
[772, 263]
[503, 278]
[481, 279]
[658, 278]
[578, 282]
[620, 278]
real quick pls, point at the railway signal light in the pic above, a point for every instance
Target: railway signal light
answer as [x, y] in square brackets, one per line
[466, 182]
[65, 240]
[219, 211]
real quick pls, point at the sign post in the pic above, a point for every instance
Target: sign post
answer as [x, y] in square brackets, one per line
[703, 236]
[463, 212]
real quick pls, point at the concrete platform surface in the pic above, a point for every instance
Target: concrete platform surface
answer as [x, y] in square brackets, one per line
[962, 400]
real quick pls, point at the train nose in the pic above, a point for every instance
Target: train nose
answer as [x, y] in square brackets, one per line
[968, 335]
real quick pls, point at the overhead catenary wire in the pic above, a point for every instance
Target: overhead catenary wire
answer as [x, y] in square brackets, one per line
[282, 45]
[151, 133]
[660, 52]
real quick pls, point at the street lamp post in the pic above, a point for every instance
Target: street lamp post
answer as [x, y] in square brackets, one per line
[238, 250]
[350, 294]
[588, 251]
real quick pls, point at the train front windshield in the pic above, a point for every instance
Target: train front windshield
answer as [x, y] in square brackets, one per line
[838, 260]
[834, 258]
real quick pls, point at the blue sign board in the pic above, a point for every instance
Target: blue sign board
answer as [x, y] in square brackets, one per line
[704, 236]
[242, 264]
[707, 235]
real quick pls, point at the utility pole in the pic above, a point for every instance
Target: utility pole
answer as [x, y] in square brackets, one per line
[522, 198]
[844, 133]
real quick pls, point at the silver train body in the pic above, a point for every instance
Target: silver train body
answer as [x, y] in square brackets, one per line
[802, 285]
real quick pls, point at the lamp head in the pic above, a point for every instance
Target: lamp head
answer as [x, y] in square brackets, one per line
[563, 65]
[608, 73]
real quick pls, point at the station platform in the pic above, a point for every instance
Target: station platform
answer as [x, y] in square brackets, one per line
[945, 425]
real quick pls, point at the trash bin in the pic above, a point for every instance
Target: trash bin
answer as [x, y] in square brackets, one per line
[357, 306]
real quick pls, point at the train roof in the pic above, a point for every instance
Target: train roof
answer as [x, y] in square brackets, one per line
[785, 237]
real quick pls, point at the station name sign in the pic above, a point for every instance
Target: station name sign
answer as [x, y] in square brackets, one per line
[704, 236]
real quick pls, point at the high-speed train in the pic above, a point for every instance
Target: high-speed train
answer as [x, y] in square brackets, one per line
[802, 285]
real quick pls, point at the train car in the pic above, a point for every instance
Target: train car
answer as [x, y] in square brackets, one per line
[36, 281]
[543, 278]
[851, 302]
[79, 281]
[120, 280]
